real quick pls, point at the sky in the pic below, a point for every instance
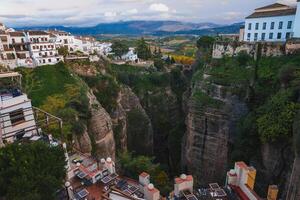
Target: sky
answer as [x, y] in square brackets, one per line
[16, 13]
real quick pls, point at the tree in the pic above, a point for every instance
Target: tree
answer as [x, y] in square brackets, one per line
[159, 64]
[276, 117]
[205, 42]
[119, 48]
[143, 50]
[31, 171]
[132, 166]
[63, 51]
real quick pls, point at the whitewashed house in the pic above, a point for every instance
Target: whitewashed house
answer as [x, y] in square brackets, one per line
[63, 39]
[276, 23]
[42, 50]
[103, 48]
[20, 44]
[16, 113]
[130, 56]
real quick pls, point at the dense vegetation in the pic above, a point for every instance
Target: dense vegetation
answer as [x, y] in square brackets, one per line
[56, 90]
[132, 166]
[269, 86]
[31, 171]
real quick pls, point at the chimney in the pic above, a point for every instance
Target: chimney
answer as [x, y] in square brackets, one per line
[231, 178]
[251, 177]
[184, 182]
[110, 165]
[144, 180]
[272, 192]
[151, 193]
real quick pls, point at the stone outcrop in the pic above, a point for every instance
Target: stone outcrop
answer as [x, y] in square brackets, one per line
[83, 142]
[221, 49]
[100, 130]
[210, 131]
[127, 103]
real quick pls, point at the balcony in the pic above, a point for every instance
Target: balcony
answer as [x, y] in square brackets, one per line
[9, 97]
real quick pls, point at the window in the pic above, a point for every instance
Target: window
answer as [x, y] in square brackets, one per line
[51, 53]
[33, 47]
[22, 40]
[44, 61]
[263, 36]
[57, 59]
[256, 26]
[49, 60]
[249, 26]
[17, 117]
[280, 25]
[248, 36]
[290, 23]
[255, 36]
[279, 35]
[288, 35]
[271, 36]
[13, 40]
[264, 25]
[272, 25]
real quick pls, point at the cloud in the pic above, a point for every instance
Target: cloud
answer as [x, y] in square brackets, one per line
[159, 7]
[91, 12]
[110, 14]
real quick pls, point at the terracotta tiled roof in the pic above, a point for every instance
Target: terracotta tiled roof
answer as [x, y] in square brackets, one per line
[16, 34]
[37, 33]
[272, 6]
[285, 12]
[144, 174]
[242, 164]
[154, 190]
[180, 180]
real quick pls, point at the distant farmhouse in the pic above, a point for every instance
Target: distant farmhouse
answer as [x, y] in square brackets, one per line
[273, 23]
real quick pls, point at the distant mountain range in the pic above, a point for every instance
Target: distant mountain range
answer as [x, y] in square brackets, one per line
[146, 28]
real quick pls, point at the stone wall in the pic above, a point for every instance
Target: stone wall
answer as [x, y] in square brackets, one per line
[269, 49]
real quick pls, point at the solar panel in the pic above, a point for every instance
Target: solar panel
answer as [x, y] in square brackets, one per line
[81, 175]
[193, 197]
[113, 176]
[106, 179]
[221, 193]
[214, 186]
[83, 193]
[132, 189]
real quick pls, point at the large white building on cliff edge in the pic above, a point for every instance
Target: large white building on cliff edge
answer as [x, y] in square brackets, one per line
[273, 23]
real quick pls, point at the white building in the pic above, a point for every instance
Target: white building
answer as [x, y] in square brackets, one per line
[130, 56]
[42, 50]
[182, 183]
[276, 23]
[20, 45]
[16, 113]
[63, 39]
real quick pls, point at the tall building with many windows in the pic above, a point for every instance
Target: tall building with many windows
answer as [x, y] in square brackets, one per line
[275, 23]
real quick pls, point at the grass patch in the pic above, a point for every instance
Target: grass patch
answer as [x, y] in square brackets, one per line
[45, 81]
[203, 100]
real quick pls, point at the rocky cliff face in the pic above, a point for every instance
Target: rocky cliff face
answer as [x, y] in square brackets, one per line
[100, 129]
[211, 122]
[132, 136]
[98, 137]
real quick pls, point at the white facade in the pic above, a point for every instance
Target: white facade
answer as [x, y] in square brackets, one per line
[16, 113]
[274, 23]
[63, 39]
[297, 22]
[269, 34]
[43, 51]
[130, 56]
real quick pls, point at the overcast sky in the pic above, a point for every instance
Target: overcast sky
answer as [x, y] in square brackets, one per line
[90, 12]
